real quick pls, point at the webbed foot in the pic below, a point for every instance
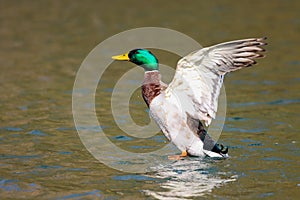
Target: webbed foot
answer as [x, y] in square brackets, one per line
[178, 157]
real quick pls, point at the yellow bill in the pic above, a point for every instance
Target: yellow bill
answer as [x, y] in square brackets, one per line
[121, 57]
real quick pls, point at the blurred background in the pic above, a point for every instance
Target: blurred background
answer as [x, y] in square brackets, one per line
[42, 44]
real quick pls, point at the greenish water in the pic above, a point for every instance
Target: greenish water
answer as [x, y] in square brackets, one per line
[42, 46]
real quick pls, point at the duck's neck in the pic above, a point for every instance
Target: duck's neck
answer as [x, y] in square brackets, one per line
[151, 86]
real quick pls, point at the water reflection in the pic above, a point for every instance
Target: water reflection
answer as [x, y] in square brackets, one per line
[188, 178]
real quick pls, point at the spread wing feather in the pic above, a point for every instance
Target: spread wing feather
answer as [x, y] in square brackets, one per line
[199, 75]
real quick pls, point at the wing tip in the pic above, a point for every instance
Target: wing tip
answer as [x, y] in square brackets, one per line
[262, 41]
[263, 38]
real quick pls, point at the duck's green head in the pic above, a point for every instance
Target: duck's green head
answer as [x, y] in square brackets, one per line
[141, 57]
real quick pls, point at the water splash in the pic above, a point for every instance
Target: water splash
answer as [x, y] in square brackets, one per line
[186, 179]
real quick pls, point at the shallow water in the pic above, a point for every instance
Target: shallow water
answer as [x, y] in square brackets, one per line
[42, 47]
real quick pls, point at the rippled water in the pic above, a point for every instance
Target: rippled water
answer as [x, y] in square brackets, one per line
[42, 46]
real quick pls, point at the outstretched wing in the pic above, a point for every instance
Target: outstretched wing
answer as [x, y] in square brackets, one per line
[199, 75]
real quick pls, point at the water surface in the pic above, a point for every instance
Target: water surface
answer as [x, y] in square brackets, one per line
[42, 46]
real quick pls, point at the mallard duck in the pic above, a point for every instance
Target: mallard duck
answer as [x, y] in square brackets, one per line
[192, 96]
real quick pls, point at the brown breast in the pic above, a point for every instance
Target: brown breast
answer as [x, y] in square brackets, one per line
[149, 91]
[151, 86]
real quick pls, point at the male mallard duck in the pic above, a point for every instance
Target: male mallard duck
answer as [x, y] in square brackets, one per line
[193, 94]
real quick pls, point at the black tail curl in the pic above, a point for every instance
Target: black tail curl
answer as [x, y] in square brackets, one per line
[219, 148]
[208, 143]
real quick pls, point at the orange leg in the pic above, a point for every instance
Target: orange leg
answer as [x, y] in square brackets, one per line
[178, 157]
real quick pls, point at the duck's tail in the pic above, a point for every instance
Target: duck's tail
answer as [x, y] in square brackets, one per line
[211, 148]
